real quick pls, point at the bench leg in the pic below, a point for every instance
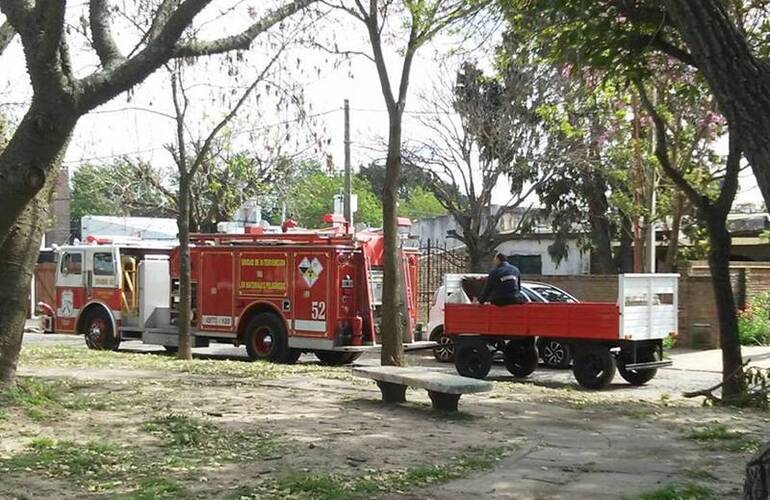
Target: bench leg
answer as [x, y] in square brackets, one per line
[443, 401]
[392, 393]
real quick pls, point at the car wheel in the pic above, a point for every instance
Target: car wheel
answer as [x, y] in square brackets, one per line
[555, 354]
[444, 352]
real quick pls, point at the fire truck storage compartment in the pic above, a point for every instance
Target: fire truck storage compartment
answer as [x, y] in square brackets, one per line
[154, 292]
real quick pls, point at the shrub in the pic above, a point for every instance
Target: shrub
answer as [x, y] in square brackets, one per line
[754, 321]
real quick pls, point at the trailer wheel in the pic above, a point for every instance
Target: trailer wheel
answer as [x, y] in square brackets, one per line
[594, 368]
[444, 352]
[473, 359]
[639, 377]
[554, 354]
[520, 358]
[98, 331]
[266, 339]
[336, 358]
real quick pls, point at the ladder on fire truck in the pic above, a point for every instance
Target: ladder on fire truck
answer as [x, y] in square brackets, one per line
[370, 296]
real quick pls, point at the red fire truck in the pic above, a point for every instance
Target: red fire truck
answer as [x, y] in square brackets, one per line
[278, 294]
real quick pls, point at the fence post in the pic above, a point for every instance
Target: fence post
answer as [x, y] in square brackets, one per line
[428, 281]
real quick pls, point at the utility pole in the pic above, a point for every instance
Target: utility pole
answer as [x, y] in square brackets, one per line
[637, 187]
[348, 212]
[653, 201]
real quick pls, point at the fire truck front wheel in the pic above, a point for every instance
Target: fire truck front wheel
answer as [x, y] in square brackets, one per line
[473, 358]
[98, 331]
[266, 339]
[594, 367]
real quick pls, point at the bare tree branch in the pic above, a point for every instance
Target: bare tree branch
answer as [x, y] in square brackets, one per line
[17, 12]
[7, 32]
[101, 30]
[243, 40]
[204, 150]
[661, 150]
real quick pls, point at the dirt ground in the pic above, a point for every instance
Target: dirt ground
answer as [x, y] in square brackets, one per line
[142, 425]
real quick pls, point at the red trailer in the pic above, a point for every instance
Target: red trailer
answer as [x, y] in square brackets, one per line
[627, 334]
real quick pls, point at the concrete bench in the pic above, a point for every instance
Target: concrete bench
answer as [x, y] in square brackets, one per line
[444, 389]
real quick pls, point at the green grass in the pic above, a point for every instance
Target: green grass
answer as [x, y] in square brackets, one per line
[191, 438]
[74, 357]
[150, 489]
[679, 492]
[186, 444]
[93, 463]
[43, 400]
[345, 487]
[719, 437]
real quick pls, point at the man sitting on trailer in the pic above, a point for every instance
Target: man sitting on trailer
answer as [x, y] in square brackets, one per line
[503, 285]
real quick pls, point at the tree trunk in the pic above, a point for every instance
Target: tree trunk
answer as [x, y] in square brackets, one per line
[739, 80]
[624, 259]
[477, 261]
[603, 262]
[37, 145]
[185, 288]
[673, 241]
[393, 300]
[30, 159]
[17, 260]
[478, 252]
[719, 264]
[757, 483]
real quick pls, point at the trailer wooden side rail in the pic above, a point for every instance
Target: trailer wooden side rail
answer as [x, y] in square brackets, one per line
[627, 336]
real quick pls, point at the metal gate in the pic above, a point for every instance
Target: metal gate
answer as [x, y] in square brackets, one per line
[436, 260]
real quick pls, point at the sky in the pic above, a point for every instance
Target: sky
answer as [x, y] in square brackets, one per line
[134, 124]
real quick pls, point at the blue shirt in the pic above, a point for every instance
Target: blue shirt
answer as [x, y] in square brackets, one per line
[503, 284]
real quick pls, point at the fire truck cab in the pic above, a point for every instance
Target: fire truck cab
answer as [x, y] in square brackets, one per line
[278, 294]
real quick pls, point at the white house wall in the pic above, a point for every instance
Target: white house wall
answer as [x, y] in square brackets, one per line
[575, 263]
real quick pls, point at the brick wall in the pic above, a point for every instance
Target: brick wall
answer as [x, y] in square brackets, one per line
[59, 233]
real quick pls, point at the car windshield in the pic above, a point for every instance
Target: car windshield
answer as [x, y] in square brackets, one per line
[552, 294]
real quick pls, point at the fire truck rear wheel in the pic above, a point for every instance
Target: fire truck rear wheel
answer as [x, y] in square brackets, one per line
[336, 358]
[98, 331]
[520, 358]
[266, 339]
[473, 358]
[594, 368]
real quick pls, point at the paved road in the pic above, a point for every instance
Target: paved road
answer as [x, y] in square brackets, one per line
[692, 370]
